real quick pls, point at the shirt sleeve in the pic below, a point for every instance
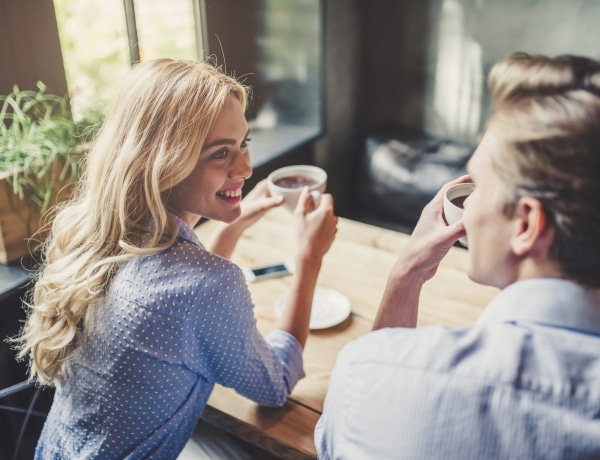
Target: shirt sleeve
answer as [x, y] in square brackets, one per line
[223, 344]
[330, 426]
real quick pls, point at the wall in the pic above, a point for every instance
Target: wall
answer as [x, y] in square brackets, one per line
[427, 60]
[424, 63]
[29, 46]
[338, 147]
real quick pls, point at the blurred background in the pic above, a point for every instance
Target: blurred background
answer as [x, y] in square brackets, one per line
[324, 72]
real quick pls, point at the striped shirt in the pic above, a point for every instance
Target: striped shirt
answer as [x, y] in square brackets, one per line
[523, 382]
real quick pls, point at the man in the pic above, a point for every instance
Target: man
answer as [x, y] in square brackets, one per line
[523, 382]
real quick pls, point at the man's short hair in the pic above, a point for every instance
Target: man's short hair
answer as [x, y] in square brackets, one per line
[547, 112]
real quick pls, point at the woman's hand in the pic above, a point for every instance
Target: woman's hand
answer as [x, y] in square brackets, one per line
[253, 207]
[316, 226]
[256, 204]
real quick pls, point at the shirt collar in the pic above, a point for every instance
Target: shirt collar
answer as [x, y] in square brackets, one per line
[550, 301]
[186, 232]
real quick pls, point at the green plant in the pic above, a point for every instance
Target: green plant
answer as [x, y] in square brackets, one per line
[37, 132]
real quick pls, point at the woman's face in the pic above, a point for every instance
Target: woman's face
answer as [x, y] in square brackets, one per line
[491, 260]
[214, 188]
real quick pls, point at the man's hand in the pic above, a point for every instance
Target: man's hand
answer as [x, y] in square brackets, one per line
[428, 244]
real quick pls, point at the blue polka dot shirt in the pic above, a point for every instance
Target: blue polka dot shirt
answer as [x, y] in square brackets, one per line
[170, 327]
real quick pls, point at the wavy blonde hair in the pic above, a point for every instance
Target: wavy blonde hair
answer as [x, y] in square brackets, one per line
[149, 142]
[547, 112]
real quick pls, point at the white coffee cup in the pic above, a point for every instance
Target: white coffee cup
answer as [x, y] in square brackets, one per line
[289, 181]
[454, 204]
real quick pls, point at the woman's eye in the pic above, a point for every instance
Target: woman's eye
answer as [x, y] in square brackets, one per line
[245, 142]
[221, 154]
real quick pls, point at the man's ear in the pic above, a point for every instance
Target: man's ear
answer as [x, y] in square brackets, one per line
[532, 233]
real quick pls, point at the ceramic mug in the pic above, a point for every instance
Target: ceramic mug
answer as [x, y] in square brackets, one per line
[289, 181]
[454, 199]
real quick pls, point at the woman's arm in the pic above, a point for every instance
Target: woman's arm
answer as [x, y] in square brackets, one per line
[221, 341]
[315, 230]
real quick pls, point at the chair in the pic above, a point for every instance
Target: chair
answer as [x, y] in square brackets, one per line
[29, 411]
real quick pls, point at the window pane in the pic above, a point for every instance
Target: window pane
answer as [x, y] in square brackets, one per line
[288, 43]
[166, 29]
[95, 48]
[274, 46]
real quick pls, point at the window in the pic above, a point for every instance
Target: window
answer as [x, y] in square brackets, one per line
[274, 46]
[95, 40]
[95, 51]
[165, 29]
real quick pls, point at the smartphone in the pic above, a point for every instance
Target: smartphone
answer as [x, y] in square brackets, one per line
[268, 271]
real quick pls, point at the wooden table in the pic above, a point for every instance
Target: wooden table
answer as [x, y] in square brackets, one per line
[357, 265]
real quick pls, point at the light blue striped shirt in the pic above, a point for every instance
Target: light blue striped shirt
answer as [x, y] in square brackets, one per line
[523, 382]
[172, 325]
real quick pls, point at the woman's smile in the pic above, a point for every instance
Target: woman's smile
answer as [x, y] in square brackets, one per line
[231, 196]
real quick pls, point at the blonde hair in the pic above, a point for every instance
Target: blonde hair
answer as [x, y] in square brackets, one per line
[149, 142]
[547, 112]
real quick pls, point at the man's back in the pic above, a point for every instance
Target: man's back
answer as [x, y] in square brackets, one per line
[524, 382]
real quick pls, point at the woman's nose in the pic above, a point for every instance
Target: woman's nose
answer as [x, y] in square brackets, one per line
[242, 167]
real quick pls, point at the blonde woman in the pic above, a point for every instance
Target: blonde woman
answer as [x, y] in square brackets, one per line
[132, 318]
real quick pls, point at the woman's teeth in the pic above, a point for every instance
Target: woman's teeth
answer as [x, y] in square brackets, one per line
[230, 193]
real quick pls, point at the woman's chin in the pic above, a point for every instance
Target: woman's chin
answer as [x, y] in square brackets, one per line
[230, 217]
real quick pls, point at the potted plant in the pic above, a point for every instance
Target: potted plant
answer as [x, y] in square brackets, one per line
[38, 165]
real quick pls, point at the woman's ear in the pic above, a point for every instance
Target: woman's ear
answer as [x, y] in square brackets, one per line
[532, 232]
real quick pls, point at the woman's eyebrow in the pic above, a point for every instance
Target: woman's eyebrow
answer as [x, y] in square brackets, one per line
[224, 141]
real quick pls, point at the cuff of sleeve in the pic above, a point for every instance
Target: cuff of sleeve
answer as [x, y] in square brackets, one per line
[289, 351]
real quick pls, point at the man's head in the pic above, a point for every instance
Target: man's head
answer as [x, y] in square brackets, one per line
[542, 145]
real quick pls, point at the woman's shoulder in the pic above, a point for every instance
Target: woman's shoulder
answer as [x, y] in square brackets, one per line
[185, 266]
[184, 258]
[185, 254]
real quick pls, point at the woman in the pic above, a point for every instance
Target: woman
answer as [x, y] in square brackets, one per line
[132, 318]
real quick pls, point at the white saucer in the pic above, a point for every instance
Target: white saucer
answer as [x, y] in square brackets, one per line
[329, 308]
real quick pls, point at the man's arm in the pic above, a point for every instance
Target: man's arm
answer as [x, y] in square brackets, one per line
[400, 302]
[429, 243]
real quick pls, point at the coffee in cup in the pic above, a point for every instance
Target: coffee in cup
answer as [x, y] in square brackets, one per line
[294, 182]
[454, 204]
[289, 181]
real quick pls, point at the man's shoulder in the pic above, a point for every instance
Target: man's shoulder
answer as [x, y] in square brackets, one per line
[473, 349]
[399, 344]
